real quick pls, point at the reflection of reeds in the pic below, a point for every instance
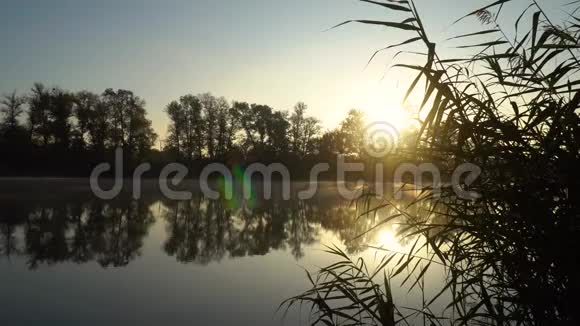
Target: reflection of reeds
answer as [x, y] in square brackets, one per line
[512, 109]
[345, 291]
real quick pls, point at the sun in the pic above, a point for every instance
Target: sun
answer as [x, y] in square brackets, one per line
[388, 109]
[381, 104]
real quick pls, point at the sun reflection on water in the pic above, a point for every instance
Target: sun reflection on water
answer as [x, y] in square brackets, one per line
[388, 239]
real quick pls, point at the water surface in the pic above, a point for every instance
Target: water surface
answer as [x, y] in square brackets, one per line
[67, 258]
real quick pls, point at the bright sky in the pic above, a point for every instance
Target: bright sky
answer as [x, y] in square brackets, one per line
[272, 52]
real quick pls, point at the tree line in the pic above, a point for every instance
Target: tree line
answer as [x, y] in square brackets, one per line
[209, 127]
[53, 131]
[60, 120]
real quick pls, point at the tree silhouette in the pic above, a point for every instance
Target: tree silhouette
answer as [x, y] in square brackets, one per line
[38, 116]
[310, 136]
[332, 143]
[303, 131]
[177, 135]
[277, 129]
[297, 127]
[87, 116]
[59, 114]
[224, 127]
[209, 106]
[201, 125]
[130, 129]
[353, 131]
[241, 113]
[73, 132]
[11, 109]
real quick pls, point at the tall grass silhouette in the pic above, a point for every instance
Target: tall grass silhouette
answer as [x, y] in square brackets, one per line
[511, 107]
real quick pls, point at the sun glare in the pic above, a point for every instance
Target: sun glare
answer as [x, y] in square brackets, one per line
[381, 105]
[388, 110]
[388, 240]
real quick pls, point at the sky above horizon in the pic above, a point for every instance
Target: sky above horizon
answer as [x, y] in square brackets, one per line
[270, 52]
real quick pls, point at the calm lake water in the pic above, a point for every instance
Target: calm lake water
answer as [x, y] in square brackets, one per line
[67, 258]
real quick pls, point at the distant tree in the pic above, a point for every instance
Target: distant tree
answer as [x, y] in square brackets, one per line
[200, 124]
[264, 129]
[234, 128]
[141, 135]
[177, 127]
[194, 130]
[310, 136]
[277, 130]
[303, 131]
[210, 109]
[241, 113]
[332, 143]
[99, 128]
[85, 113]
[224, 135]
[297, 127]
[59, 117]
[39, 104]
[59, 121]
[130, 128]
[260, 118]
[11, 109]
[353, 129]
[12, 134]
[119, 107]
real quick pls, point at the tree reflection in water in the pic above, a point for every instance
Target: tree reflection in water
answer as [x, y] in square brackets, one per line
[199, 231]
[203, 231]
[49, 232]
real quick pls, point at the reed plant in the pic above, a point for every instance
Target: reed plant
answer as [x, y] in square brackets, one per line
[510, 106]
